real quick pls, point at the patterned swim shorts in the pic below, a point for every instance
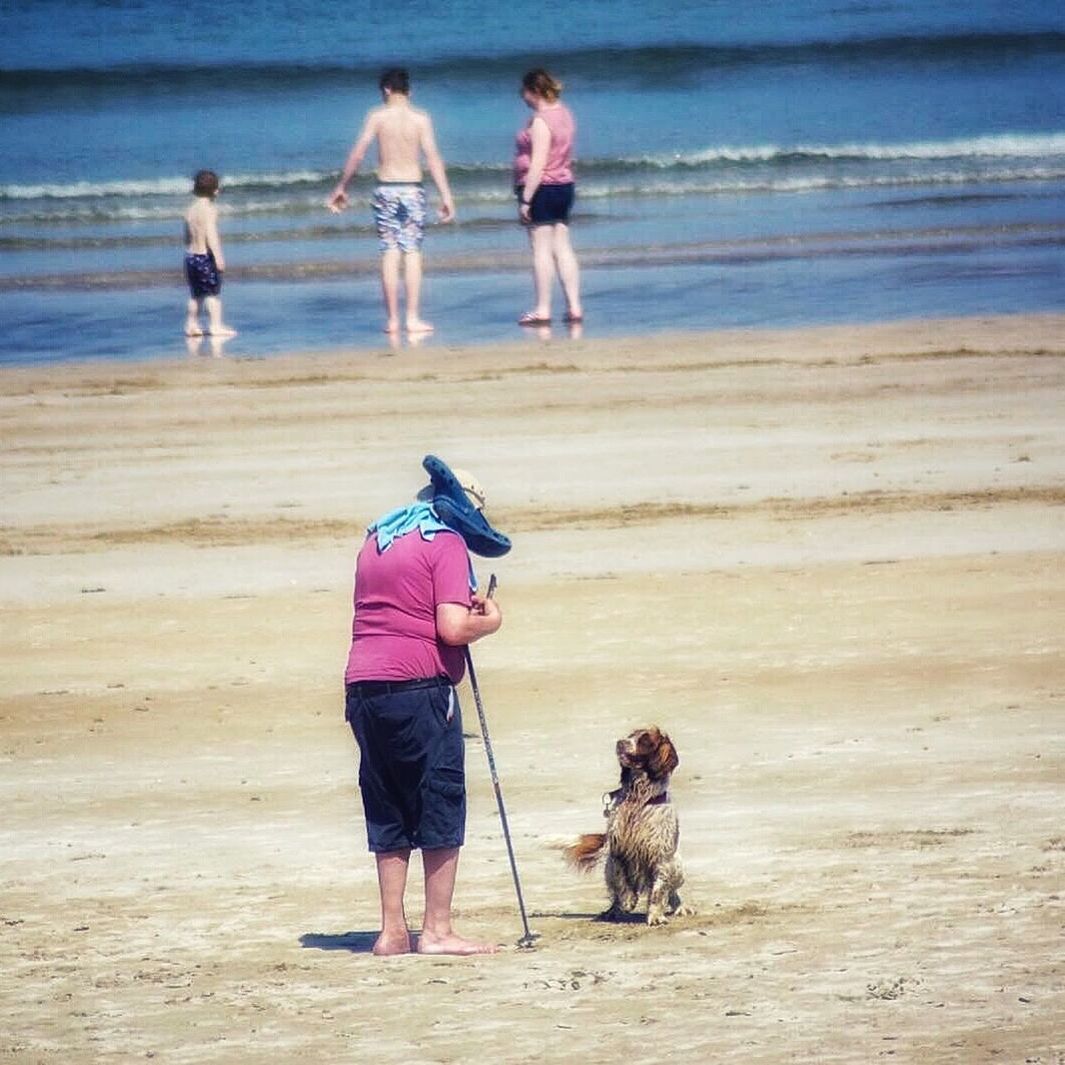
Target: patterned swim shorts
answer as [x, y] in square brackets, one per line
[201, 272]
[399, 210]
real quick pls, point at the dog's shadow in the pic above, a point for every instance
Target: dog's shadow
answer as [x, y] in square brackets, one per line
[353, 942]
[594, 918]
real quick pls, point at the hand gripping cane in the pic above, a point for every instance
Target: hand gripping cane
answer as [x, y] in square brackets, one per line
[526, 941]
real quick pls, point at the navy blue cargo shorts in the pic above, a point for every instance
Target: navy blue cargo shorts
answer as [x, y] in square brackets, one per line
[412, 762]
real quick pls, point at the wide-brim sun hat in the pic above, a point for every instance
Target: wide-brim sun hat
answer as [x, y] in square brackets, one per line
[458, 499]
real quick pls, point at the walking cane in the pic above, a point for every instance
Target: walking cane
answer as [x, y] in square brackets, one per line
[526, 941]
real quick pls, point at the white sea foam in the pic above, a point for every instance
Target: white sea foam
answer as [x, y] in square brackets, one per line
[1003, 145]
[1000, 159]
[1047, 148]
[813, 183]
[97, 189]
[166, 186]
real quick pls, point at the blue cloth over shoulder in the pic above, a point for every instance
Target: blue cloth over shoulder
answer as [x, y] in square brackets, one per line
[403, 520]
[421, 516]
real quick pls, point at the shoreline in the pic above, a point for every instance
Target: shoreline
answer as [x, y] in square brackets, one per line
[631, 286]
[737, 251]
[917, 335]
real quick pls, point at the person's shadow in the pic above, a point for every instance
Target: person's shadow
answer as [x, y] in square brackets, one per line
[353, 942]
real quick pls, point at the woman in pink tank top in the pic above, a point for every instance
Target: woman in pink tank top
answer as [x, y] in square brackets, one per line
[543, 183]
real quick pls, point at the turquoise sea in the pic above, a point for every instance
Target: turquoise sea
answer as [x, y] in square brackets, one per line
[739, 164]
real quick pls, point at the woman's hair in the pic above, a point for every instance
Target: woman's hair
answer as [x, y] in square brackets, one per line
[541, 83]
[395, 79]
[205, 183]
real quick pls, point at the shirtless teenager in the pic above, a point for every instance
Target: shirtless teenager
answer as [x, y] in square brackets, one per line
[404, 135]
[204, 261]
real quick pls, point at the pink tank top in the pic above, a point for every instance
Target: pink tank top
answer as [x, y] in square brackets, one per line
[559, 167]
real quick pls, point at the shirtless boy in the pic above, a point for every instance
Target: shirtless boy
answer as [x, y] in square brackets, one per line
[404, 135]
[204, 261]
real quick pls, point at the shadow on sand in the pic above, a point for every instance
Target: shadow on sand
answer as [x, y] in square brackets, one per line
[354, 942]
[601, 918]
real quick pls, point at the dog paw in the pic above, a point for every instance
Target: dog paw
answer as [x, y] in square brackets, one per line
[684, 910]
[657, 917]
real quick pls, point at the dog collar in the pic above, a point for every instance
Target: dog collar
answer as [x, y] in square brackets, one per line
[614, 798]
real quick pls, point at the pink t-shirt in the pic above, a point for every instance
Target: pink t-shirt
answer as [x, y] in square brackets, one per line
[558, 170]
[393, 634]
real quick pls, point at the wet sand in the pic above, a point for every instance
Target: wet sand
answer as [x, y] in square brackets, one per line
[827, 561]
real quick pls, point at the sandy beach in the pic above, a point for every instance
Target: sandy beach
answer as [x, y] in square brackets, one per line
[828, 561]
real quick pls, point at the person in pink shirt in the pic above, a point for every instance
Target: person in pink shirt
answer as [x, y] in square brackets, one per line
[415, 613]
[543, 183]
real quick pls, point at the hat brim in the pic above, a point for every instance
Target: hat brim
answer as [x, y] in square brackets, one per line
[455, 510]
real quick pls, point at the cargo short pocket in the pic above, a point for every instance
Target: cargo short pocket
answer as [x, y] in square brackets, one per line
[447, 785]
[443, 809]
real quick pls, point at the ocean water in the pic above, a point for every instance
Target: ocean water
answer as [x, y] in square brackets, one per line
[763, 164]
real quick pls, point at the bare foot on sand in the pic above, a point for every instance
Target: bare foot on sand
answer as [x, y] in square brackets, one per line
[416, 325]
[388, 946]
[453, 944]
[392, 325]
[192, 330]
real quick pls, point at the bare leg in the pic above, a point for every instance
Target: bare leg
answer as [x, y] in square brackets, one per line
[569, 272]
[192, 319]
[214, 314]
[412, 275]
[540, 237]
[392, 882]
[438, 937]
[390, 287]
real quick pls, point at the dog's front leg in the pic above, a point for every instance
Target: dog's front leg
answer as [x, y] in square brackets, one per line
[665, 900]
[656, 906]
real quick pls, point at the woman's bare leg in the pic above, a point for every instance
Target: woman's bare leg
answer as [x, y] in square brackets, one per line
[542, 242]
[569, 272]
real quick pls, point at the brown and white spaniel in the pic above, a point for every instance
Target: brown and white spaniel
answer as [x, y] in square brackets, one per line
[641, 832]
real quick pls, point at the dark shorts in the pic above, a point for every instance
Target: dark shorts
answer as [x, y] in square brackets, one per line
[412, 763]
[550, 203]
[202, 274]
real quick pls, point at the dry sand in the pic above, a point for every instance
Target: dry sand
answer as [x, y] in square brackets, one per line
[828, 561]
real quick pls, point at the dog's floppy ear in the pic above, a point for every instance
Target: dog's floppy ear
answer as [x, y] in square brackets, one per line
[664, 758]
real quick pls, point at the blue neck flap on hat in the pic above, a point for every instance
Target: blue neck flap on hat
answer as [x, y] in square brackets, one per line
[453, 507]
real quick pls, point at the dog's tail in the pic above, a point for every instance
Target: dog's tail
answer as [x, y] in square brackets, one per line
[585, 852]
